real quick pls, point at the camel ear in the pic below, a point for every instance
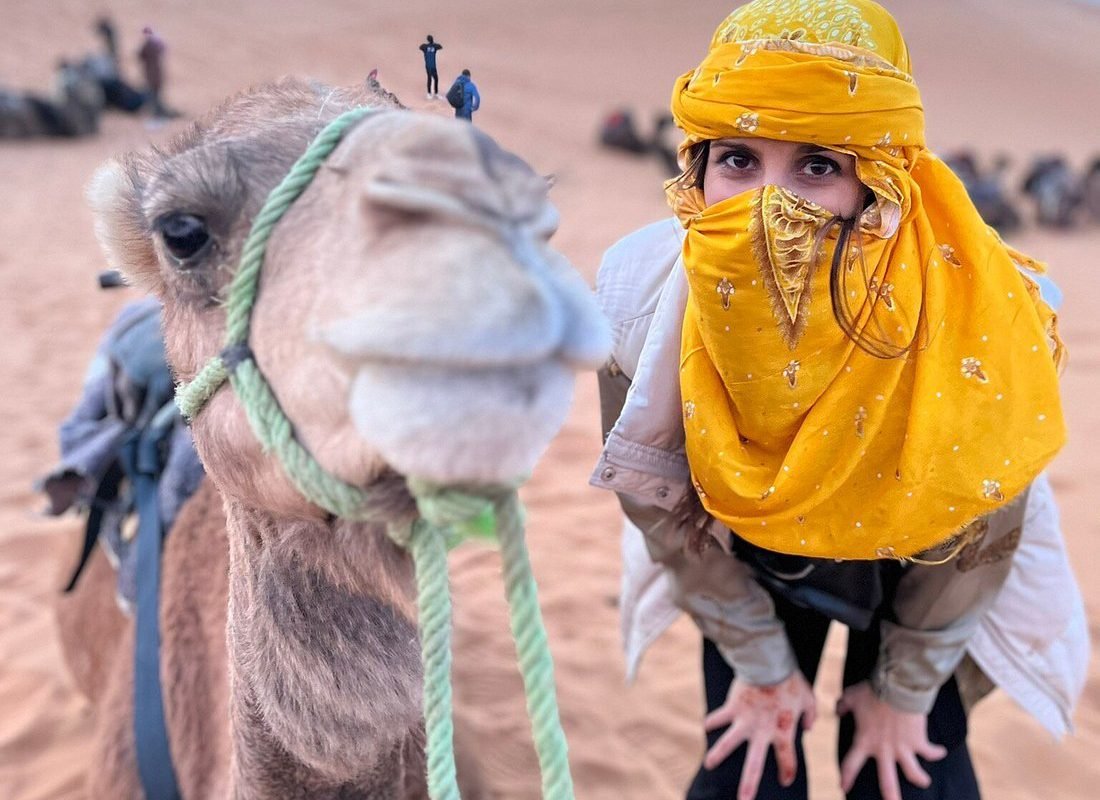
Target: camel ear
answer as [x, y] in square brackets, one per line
[114, 195]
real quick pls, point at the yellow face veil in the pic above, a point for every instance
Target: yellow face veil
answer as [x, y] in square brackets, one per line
[799, 438]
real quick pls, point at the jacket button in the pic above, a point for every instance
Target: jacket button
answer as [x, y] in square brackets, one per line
[662, 492]
[608, 473]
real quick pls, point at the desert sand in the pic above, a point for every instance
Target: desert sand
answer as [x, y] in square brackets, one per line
[1001, 75]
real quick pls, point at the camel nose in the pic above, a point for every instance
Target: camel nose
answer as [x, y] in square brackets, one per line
[584, 336]
[529, 222]
[523, 215]
[490, 219]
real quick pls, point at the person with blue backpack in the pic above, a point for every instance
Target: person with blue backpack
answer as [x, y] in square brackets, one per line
[429, 49]
[464, 97]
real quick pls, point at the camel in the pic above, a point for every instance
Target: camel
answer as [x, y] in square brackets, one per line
[987, 189]
[1056, 191]
[412, 321]
[1090, 191]
[72, 111]
[619, 132]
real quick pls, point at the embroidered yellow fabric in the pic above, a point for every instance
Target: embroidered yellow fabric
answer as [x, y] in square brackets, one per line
[798, 439]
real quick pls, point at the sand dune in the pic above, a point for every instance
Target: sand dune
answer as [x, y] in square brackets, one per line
[1003, 75]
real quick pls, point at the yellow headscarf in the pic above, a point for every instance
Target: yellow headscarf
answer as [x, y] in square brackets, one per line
[799, 439]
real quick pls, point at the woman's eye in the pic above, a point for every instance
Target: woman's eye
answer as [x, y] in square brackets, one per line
[738, 160]
[819, 167]
[184, 235]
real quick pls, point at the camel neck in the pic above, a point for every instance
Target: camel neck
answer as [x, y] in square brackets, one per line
[324, 660]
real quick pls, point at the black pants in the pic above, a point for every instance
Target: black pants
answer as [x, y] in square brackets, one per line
[953, 777]
[433, 76]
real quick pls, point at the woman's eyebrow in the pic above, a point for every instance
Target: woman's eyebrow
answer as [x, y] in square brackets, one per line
[731, 143]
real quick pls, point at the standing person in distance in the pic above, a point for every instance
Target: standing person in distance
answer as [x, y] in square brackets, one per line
[151, 57]
[429, 49]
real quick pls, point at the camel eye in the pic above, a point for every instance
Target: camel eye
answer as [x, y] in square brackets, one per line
[185, 235]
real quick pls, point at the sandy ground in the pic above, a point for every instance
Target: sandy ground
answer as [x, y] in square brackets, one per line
[1003, 75]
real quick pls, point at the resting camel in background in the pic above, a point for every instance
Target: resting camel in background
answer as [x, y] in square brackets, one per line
[412, 320]
[1051, 183]
[73, 109]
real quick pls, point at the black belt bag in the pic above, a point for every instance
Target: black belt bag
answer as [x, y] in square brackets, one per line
[847, 591]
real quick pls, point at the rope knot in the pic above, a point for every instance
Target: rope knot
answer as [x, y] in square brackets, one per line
[460, 514]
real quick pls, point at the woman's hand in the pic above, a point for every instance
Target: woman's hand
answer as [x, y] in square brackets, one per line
[893, 738]
[763, 716]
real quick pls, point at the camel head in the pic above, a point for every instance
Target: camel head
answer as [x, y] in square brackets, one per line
[411, 315]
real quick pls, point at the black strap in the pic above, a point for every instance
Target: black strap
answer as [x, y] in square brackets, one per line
[105, 492]
[848, 591]
[142, 461]
[233, 355]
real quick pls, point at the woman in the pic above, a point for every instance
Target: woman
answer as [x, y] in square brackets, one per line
[867, 390]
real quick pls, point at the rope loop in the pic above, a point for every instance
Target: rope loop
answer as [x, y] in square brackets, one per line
[192, 396]
[447, 516]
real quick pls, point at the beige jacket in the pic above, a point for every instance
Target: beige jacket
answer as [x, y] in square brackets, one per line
[939, 610]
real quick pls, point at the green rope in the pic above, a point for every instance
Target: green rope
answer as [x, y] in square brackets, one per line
[447, 512]
[266, 417]
[242, 292]
[533, 652]
[190, 397]
[276, 434]
[447, 515]
[433, 597]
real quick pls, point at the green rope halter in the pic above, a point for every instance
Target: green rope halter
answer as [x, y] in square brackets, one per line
[446, 515]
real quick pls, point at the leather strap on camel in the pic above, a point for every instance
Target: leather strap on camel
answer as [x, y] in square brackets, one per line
[447, 515]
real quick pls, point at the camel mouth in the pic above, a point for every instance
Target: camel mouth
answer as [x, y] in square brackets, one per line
[383, 340]
[538, 335]
[461, 425]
